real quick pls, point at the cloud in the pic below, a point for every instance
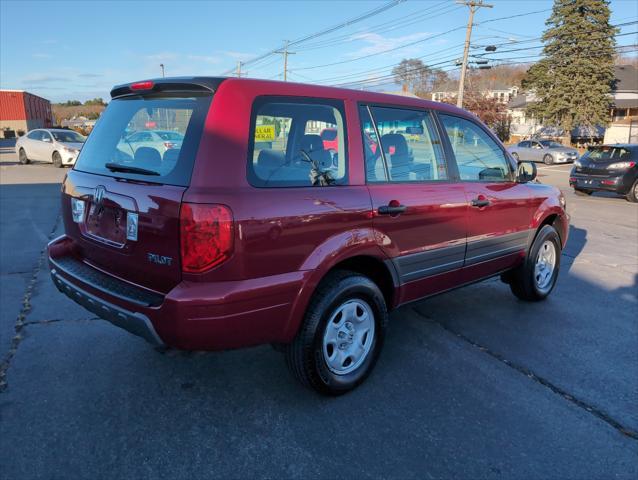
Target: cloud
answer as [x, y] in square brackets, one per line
[90, 75]
[237, 55]
[35, 79]
[378, 43]
[161, 57]
[40, 55]
[203, 58]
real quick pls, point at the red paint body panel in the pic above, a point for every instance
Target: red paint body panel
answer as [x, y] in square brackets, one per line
[286, 239]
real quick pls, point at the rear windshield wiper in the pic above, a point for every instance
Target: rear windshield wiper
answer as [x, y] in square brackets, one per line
[118, 167]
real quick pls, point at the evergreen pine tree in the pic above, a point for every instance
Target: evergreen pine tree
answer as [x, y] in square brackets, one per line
[573, 81]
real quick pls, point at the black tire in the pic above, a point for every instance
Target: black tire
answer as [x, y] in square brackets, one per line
[22, 157]
[548, 159]
[581, 192]
[523, 281]
[515, 156]
[632, 195]
[305, 355]
[57, 160]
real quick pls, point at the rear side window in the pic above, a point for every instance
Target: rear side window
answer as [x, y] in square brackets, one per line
[524, 144]
[408, 147]
[35, 135]
[148, 138]
[478, 156]
[297, 142]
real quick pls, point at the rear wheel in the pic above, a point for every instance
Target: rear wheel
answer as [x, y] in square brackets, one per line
[342, 334]
[581, 192]
[22, 157]
[632, 195]
[535, 278]
[548, 159]
[57, 160]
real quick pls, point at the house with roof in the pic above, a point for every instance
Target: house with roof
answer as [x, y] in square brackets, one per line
[501, 92]
[623, 114]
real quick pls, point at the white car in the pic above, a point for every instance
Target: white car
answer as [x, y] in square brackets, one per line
[58, 146]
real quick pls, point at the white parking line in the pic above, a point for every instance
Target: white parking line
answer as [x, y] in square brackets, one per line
[554, 167]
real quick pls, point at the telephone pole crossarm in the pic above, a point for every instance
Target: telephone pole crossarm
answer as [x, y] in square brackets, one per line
[474, 6]
[285, 53]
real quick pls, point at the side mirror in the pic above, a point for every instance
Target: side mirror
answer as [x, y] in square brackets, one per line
[526, 172]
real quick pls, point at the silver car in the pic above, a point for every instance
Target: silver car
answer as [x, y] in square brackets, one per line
[546, 151]
[57, 146]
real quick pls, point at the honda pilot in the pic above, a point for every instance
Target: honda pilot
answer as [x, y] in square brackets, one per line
[251, 229]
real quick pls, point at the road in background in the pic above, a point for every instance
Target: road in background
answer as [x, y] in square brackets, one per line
[472, 383]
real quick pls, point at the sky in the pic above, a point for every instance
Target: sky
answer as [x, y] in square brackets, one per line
[79, 49]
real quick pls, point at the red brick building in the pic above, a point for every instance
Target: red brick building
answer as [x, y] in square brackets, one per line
[22, 111]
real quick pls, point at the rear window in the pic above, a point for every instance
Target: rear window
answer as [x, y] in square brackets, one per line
[608, 153]
[150, 138]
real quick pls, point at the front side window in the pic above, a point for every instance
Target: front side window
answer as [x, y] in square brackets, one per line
[408, 147]
[297, 143]
[478, 156]
[524, 144]
[35, 135]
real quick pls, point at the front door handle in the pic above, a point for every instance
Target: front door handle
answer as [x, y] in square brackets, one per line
[391, 209]
[480, 202]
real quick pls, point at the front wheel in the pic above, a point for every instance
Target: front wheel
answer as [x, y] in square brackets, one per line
[632, 195]
[535, 278]
[22, 157]
[57, 160]
[342, 334]
[548, 159]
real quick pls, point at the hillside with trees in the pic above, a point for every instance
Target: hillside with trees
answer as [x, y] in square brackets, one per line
[90, 109]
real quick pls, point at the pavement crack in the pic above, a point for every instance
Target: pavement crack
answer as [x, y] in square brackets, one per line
[24, 311]
[600, 414]
[57, 320]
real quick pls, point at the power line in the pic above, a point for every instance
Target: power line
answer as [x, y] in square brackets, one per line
[352, 21]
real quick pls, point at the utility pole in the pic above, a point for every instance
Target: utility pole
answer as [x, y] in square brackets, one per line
[285, 53]
[162, 67]
[239, 64]
[474, 6]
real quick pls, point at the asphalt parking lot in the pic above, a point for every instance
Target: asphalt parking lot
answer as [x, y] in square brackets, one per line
[471, 384]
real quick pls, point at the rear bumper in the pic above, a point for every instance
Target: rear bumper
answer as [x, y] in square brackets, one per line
[611, 183]
[193, 315]
[135, 323]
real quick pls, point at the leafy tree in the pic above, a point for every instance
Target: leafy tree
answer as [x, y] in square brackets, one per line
[71, 103]
[573, 81]
[95, 101]
[491, 112]
[412, 74]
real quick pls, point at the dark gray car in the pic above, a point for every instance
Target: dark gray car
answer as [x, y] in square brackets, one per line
[546, 151]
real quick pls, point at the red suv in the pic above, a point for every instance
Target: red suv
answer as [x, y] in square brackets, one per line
[252, 231]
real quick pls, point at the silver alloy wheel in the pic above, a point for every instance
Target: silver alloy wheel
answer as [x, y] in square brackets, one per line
[545, 264]
[636, 190]
[349, 335]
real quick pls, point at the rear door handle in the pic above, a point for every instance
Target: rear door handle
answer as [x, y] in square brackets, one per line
[391, 210]
[480, 202]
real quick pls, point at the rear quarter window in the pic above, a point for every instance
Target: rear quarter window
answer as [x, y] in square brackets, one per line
[287, 148]
[127, 136]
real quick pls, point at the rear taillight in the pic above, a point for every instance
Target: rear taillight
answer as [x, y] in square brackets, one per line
[206, 236]
[169, 145]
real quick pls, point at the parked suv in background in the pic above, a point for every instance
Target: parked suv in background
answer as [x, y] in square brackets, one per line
[612, 168]
[546, 151]
[228, 242]
[55, 145]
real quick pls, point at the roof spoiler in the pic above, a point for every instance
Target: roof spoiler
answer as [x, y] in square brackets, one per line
[173, 85]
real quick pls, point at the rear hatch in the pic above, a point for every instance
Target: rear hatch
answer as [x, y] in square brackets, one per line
[597, 160]
[121, 202]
